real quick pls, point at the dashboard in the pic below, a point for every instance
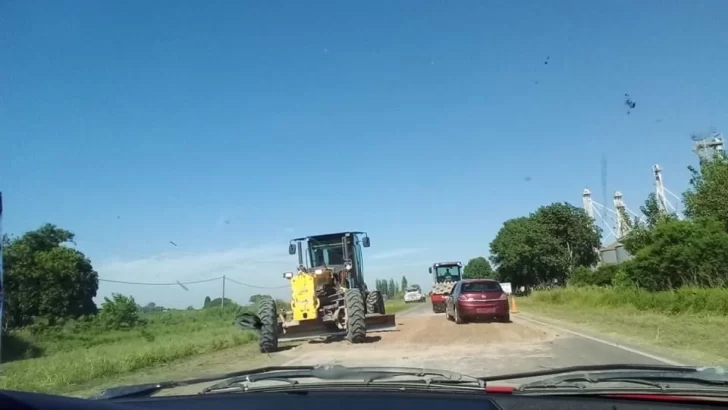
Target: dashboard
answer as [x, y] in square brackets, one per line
[348, 399]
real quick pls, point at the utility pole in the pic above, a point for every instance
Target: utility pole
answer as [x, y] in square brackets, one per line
[222, 302]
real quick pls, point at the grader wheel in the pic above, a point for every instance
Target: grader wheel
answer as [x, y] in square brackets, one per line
[268, 314]
[375, 302]
[356, 330]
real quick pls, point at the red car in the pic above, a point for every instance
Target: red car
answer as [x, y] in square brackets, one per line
[474, 299]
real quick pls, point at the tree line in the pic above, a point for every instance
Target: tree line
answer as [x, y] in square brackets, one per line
[558, 243]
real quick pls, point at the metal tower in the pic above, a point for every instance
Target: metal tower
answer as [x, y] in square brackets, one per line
[708, 144]
[662, 201]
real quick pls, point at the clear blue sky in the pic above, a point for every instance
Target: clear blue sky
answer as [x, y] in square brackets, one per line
[137, 123]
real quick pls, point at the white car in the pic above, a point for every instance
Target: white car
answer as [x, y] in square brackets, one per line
[413, 295]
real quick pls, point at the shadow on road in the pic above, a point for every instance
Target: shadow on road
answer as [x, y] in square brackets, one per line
[335, 339]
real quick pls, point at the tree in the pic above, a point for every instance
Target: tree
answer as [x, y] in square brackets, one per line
[392, 288]
[207, 302]
[573, 229]
[526, 255]
[478, 268]
[678, 253]
[404, 283]
[44, 278]
[708, 195]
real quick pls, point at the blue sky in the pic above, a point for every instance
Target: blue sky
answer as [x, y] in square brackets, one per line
[137, 123]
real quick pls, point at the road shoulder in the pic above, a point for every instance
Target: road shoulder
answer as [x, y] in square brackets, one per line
[604, 335]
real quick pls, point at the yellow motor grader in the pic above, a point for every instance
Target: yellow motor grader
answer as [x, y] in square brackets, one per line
[329, 296]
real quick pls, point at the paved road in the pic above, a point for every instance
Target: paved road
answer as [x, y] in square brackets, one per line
[426, 339]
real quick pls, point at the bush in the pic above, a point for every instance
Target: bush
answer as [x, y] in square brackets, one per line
[119, 312]
[602, 276]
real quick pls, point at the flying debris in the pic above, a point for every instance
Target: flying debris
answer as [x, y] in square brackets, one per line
[629, 103]
[527, 179]
[547, 60]
[173, 243]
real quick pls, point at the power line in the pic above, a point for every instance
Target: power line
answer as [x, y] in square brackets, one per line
[161, 283]
[224, 278]
[256, 286]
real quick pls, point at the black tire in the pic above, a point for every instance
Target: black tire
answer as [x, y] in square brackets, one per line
[373, 301]
[458, 319]
[268, 314]
[356, 330]
[380, 302]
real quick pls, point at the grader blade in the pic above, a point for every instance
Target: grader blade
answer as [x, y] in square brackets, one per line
[315, 329]
[308, 329]
[376, 323]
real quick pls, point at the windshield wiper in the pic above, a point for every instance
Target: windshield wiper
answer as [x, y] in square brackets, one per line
[145, 390]
[291, 374]
[360, 375]
[619, 378]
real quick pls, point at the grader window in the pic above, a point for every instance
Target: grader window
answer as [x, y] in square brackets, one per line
[327, 254]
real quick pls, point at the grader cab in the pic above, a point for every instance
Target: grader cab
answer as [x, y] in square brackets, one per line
[329, 296]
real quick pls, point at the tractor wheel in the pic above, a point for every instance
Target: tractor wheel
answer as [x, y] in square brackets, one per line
[375, 302]
[356, 330]
[268, 314]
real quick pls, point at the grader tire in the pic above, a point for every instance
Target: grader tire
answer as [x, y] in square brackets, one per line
[356, 330]
[268, 314]
[380, 302]
[375, 302]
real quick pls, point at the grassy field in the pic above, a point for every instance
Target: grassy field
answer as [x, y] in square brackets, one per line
[69, 361]
[686, 323]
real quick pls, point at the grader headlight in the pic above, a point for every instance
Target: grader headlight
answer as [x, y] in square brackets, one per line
[288, 275]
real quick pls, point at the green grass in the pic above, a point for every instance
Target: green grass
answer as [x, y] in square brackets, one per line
[395, 305]
[72, 359]
[66, 360]
[686, 323]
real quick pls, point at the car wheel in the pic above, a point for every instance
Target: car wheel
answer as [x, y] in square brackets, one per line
[458, 319]
[506, 318]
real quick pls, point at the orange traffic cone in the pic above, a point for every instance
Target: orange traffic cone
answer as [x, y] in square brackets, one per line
[514, 306]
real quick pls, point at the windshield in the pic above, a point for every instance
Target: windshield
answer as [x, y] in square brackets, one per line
[447, 273]
[326, 253]
[161, 162]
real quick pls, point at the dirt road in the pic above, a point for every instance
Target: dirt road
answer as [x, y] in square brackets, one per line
[426, 339]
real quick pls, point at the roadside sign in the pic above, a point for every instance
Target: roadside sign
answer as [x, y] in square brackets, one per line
[506, 287]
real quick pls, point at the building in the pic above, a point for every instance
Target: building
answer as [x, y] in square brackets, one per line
[614, 253]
